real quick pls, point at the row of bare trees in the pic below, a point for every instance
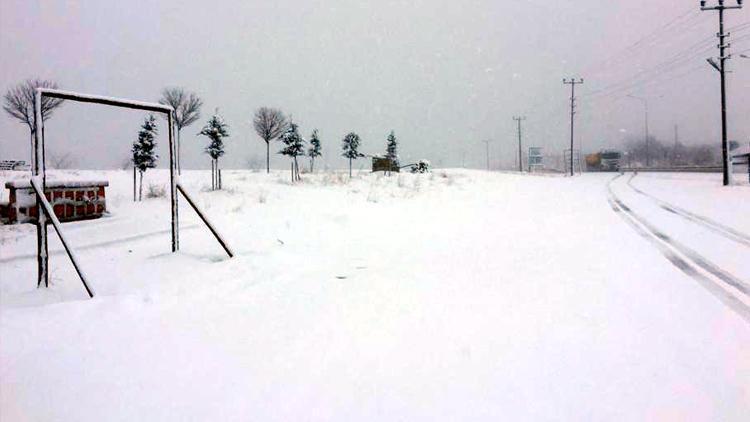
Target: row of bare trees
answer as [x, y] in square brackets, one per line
[665, 154]
[269, 123]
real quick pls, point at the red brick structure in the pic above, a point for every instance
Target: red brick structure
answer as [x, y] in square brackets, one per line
[71, 200]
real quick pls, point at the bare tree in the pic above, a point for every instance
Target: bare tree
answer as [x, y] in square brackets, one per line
[19, 103]
[187, 110]
[269, 124]
[61, 161]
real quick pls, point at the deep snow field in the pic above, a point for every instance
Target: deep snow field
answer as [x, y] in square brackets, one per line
[456, 295]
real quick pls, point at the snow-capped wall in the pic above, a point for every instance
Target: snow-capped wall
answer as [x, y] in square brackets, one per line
[74, 200]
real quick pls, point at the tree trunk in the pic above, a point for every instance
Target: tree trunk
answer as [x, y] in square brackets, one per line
[140, 189]
[31, 139]
[268, 158]
[134, 183]
[312, 164]
[350, 168]
[179, 166]
[296, 169]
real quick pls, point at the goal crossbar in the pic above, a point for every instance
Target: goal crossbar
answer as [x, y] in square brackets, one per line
[39, 170]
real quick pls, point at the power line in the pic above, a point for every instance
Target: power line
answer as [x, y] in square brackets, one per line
[673, 63]
[673, 24]
[696, 49]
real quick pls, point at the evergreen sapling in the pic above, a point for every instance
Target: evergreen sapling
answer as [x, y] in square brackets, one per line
[294, 145]
[392, 150]
[144, 154]
[350, 146]
[314, 150]
[216, 130]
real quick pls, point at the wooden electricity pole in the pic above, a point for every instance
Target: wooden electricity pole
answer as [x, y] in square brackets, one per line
[487, 143]
[573, 82]
[721, 67]
[520, 156]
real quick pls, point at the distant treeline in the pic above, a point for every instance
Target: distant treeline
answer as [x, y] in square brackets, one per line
[671, 154]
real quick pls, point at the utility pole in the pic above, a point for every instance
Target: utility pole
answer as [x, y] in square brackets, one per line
[676, 143]
[487, 142]
[648, 142]
[519, 119]
[721, 67]
[573, 82]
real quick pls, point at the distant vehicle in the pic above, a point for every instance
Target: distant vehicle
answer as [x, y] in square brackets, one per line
[604, 160]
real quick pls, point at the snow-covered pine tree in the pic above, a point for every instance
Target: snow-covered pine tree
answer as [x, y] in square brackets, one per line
[314, 150]
[392, 150]
[216, 130]
[294, 145]
[350, 146]
[144, 154]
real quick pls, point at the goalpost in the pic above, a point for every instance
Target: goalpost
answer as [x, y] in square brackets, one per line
[39, 180]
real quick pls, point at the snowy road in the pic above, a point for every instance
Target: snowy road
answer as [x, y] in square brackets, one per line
[460, 295]
[706, 250]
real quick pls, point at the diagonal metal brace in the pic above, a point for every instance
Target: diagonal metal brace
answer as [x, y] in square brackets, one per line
[47, 209]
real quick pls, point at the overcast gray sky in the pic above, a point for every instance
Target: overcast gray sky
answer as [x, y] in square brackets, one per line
[443, 74]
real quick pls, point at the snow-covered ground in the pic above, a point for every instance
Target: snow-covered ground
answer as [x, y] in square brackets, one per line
[456, 295]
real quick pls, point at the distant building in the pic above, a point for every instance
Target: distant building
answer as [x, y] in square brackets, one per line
[536, 159]
[384, 164]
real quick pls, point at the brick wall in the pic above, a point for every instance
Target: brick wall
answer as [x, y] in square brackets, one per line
[70, 201]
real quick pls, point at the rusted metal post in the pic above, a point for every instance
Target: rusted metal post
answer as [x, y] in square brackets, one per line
[39, 169]
[173, 184]
[206, 222]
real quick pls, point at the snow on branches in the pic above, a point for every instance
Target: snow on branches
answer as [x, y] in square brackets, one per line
[294, 145]
[144, 149]
[392, 149]
[350, 146]
[215, 130]
[315, 149]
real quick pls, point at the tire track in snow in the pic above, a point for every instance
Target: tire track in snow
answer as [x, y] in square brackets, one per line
[98, 244]
[94, 225]
[716, 227]
[690, 260]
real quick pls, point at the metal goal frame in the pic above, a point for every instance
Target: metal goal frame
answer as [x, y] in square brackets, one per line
[39, 178]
